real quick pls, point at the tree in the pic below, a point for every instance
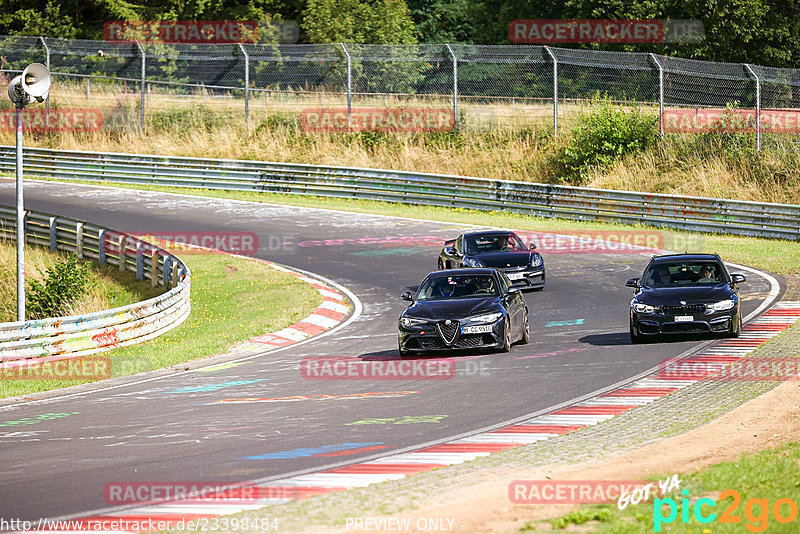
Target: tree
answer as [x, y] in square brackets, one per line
[358, 21]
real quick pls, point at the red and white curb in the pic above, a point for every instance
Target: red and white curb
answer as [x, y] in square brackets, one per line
[561, 421]
[329, 314]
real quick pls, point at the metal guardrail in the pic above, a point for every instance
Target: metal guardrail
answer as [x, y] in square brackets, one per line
[81, 335]
[710, 215]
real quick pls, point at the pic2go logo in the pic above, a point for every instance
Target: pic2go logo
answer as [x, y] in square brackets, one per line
[756, 511]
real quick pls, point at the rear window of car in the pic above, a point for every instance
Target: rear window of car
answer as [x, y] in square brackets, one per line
[666, 274]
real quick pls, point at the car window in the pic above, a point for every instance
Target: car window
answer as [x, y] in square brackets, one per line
[667, 274]
[493, 243]
[459, 243]
[458, 286]
[504, 281]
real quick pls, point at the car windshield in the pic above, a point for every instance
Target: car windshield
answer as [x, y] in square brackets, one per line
[666, 274]
[458, 287]
[499, 242]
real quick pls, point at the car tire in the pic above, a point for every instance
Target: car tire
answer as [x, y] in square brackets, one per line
[636, 337]
[736, 332]
[526, 330]
[506, 346]
[405, 353]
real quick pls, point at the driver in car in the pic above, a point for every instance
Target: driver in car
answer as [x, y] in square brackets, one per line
[446, 290]
[706, 275]
[485, 285]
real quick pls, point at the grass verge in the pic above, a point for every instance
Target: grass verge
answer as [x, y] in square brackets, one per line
[233, 299]
[760, 480]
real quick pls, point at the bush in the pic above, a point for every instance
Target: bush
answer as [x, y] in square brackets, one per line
[602, 135]
[64, 283]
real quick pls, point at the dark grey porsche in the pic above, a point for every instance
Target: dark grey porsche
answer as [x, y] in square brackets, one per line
[685, 294]
[464, 309]
[502, 250]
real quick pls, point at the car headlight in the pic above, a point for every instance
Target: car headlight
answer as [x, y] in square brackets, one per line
[485, 318]
[473, 262]
[536, 260]
[722, 305]
[410, 321]
[643, 308]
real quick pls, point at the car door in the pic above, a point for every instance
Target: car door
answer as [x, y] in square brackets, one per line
[515, 303]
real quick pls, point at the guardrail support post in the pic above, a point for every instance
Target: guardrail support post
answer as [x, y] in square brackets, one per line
[758, 104]
[141, 85]
[165, 276]
[139, 261]
[657, 63]
[154, 268]
[122, 251]
[79, 240]
[174, 278]
[455, 86]
[101, 247]
[53, 233]
[246, 82]
[555, 89]
[349, 83]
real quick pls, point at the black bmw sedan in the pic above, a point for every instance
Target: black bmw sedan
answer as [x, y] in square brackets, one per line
[464, 309]
[685, 294]
[499, 249]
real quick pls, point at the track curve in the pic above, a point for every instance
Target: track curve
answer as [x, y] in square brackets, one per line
[174, 428]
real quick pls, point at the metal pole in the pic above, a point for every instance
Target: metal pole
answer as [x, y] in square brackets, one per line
[349, 83]
[20, 222]
[46, 64]
[758, 105]
[655, 60]
[555, 90]
[141, 85]
[246, 82]
[455, 86]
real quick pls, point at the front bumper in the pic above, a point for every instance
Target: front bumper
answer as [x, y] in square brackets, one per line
[525, 277]
[707, 322]
[432, 336]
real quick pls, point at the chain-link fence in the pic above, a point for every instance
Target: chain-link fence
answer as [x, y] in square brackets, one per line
[134, 85]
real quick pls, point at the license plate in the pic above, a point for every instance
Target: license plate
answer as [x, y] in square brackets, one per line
[515, 276]
[482, 329]
[684, 318]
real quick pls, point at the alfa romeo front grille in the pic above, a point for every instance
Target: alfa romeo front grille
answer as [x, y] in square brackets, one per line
[448, 331]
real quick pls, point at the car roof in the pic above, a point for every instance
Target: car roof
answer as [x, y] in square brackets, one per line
[471, 271]
[487, 232]
[669, 258]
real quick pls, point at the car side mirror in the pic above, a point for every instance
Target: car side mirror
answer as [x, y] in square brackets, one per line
[633, 282]
[738, 278]
[407, 295]
[450, 251]
[532, 246]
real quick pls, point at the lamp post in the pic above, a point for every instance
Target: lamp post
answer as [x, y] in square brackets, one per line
[32, 85]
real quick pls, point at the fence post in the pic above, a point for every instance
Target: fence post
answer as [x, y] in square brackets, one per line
[657, 63]
[555, 89]
[758, 104]
[455, 86]
[246, 82]
[101, 251]
[139, 260]
[349, 83]
[53, 233]
[141, 85]
[154, 268]
[122, 251]
[46, 64]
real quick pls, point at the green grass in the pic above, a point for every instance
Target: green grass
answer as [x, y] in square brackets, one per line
[233, 299]
[771, 475]
[774, 255]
